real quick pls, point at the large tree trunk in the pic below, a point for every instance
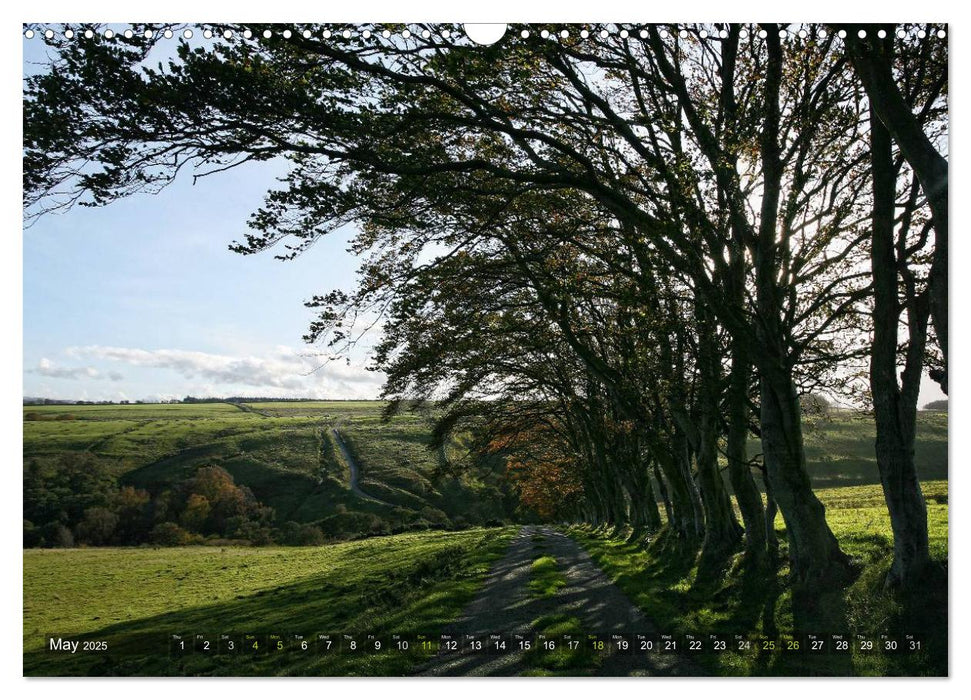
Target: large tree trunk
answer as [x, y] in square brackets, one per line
[722, 531]
[663, 491]
[895, 409]
[682, 452]
[814, 553]
[596, 497]
[643, 501]
[686, 522]
[626, 449]
[652, 514]
[739, 472]
[908, 511]
[617, 498]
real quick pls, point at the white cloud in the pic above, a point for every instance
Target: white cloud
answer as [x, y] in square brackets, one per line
[47, 368]
[223, 369]
[282, 372]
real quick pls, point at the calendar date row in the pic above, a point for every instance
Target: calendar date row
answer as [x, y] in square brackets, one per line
[502, 643]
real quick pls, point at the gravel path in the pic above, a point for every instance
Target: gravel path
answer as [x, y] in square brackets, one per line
[355, 472]
[504, 605]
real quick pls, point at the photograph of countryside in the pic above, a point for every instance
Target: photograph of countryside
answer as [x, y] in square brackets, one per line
[374, 350]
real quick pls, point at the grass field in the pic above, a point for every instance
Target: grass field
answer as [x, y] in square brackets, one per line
[137, 598]
[667, 585]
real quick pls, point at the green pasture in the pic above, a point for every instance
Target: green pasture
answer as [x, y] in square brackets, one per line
[136, 598]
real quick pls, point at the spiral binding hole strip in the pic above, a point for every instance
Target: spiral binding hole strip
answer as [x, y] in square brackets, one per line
[620, 31]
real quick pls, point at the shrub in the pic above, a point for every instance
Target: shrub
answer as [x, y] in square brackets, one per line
[261, 537]
[168, 534]
[301, 535]
[57, 535]
[256, 533]
[354, 524]
[311, 536]
[434, 516]
[815, 405]
[98, 526]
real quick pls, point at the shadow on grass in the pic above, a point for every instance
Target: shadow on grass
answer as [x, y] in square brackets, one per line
[418, 595]
[738, 596]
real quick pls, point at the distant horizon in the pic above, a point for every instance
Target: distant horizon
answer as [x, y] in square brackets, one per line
[34, 401]
[31, 400]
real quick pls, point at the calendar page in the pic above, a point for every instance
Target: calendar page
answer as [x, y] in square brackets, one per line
[451, 350]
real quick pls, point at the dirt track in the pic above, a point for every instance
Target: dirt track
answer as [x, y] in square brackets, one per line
[505, 605]
[355, 472]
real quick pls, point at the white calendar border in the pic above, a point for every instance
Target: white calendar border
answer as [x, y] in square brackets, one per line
[484, 11]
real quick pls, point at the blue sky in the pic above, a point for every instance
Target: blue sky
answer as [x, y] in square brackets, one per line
[143, 300]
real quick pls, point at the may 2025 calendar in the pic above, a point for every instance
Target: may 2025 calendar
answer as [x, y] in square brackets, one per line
[485, 350]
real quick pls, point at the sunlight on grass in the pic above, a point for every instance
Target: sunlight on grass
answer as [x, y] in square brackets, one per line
[545, 577]
[663, 581]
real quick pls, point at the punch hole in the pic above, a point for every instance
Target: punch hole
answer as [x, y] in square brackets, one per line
[485, 34]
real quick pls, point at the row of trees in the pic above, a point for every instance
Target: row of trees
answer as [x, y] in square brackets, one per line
[76, 500]
[617, 258]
